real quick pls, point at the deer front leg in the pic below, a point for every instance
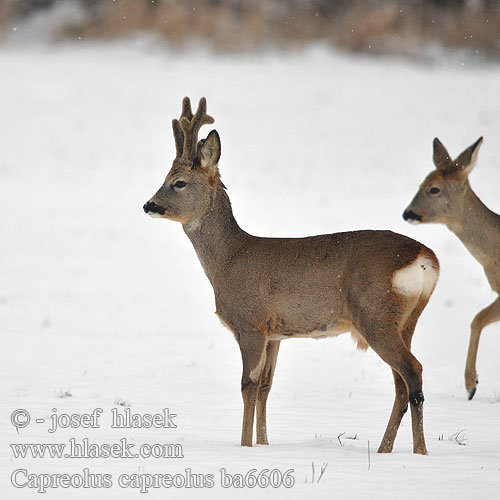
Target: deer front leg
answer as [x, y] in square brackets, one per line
[265, 383]
[253, 353]
[484, 318]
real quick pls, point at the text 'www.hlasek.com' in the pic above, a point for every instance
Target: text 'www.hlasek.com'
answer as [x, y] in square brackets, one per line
[83, 448]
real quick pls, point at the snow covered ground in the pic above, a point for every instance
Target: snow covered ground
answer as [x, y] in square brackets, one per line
[102, 302]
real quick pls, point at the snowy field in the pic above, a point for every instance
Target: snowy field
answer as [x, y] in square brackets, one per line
[99, 301]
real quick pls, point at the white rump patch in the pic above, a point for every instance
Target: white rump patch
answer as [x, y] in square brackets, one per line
[418, 278]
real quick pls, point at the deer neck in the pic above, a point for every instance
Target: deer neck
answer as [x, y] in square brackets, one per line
[476, 226]
[216, 236]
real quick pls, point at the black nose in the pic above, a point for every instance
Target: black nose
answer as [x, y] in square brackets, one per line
[151, 206]
[410, 215]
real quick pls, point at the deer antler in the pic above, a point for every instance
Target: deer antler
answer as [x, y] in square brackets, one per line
[187, 127]
[178, 135]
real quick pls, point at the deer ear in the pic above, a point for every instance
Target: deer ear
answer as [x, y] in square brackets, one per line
[440, 156]
[209, 150]
[466, 160]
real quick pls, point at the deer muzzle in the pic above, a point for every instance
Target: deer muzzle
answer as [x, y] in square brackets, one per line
[411, 216]
[152, 209]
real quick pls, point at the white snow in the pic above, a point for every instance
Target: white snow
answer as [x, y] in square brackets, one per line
[102, 301]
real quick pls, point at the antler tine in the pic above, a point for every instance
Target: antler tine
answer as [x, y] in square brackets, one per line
[178, 136]
[191, 127]
[186, 108]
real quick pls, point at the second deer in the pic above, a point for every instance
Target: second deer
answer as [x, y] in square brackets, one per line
[445, 196]
[374, 284]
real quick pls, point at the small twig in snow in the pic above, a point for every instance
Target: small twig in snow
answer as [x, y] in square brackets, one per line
[323, 468]
[459, 437]
[340, 441]
[322, 471]
[121, 402]
[64, 394]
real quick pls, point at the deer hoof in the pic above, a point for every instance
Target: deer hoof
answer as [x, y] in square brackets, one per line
[471, 393]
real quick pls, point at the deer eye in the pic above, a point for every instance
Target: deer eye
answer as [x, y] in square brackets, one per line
[179, 185]
[434, 190]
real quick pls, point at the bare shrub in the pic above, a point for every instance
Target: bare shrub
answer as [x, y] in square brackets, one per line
[379, 26]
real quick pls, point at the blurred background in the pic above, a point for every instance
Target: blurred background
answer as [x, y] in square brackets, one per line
[408, 27]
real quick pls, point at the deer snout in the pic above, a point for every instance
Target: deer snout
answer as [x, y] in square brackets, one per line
[151, 208]
[411, 216]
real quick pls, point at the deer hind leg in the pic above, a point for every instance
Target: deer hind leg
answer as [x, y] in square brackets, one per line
[253, 353]
[401, 360]
[401, 398]
[416, 399]
[387, 341]
[484, 318]
[411, 297]
[265, 383]
[399, 408]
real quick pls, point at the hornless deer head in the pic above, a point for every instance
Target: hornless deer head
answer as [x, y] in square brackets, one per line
[186, 194]
[440, 197]
[446, 196]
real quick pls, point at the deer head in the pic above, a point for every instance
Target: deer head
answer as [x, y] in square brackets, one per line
[190, 185]
[440, 198]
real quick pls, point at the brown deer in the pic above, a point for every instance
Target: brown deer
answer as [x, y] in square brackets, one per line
[446, 197]
[374, 284]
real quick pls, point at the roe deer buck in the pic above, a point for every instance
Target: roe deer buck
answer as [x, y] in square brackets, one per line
[446, 197]
[374, 284]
